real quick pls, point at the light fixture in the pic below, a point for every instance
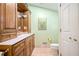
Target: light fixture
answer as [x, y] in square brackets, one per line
[19, 16]
[24, 16]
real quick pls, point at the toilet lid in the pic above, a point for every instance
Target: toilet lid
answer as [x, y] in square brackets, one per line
[54, 44]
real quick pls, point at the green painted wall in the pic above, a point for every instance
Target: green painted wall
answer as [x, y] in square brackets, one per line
[52, 25]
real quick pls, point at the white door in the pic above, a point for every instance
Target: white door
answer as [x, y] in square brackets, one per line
[69, 44]
[74, 29]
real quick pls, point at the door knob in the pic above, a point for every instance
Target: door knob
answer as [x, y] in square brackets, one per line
[75, 39]
[70, 37]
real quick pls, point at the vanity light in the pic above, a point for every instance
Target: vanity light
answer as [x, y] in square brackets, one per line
[24, 16]
[25, 27]
[19, 27]
[19, 16]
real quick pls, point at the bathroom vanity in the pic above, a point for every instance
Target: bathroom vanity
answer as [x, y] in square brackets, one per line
[16, 38]
[22, 45]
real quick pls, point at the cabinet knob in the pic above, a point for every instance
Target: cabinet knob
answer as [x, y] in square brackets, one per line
[75, 39]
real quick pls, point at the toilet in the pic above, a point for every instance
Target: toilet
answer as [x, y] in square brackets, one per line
[54, 46]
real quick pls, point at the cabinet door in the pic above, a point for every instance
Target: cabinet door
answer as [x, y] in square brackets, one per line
[2, 16]
[27, 48]
[18, 49]
[27, 21]
[8, 17]
[32, 43]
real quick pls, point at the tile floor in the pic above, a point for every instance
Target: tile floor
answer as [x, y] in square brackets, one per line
[44, 50]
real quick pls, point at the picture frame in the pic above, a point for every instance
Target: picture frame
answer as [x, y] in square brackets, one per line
[42, 23]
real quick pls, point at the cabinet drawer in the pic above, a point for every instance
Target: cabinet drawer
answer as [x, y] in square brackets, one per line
[21, 43]
[5, 36]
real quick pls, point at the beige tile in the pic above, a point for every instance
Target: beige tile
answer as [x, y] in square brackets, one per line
[44, 52]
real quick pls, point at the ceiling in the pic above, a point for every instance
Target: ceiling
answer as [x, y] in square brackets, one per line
[51, 6]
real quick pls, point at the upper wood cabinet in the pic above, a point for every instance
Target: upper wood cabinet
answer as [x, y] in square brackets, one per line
[23, 19]
[8, 28]
[27, 21]
[22, 7]
[8, 18]
[14, 18]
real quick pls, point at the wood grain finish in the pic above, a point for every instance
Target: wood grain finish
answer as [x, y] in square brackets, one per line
[7, 21]
[18, 49]
[9, 29]
[27, 49]
[22, 48]
[24, 22]
[3, 48]
[4, 37]
[8, 18]
[22, 7]
[10, 21]
[30, 45]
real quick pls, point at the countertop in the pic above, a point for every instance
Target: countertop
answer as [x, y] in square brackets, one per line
[17, 39]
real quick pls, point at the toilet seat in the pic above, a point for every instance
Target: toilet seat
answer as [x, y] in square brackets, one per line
[55, 46]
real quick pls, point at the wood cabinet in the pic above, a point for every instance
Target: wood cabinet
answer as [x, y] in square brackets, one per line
[15, 18]
[21, 7]
[8, 17]
[22, 48]
[10, 23]
[27, 48]
[24, 21]
[29, 45]
[27, 21]
[18, 48]
[7, 20]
